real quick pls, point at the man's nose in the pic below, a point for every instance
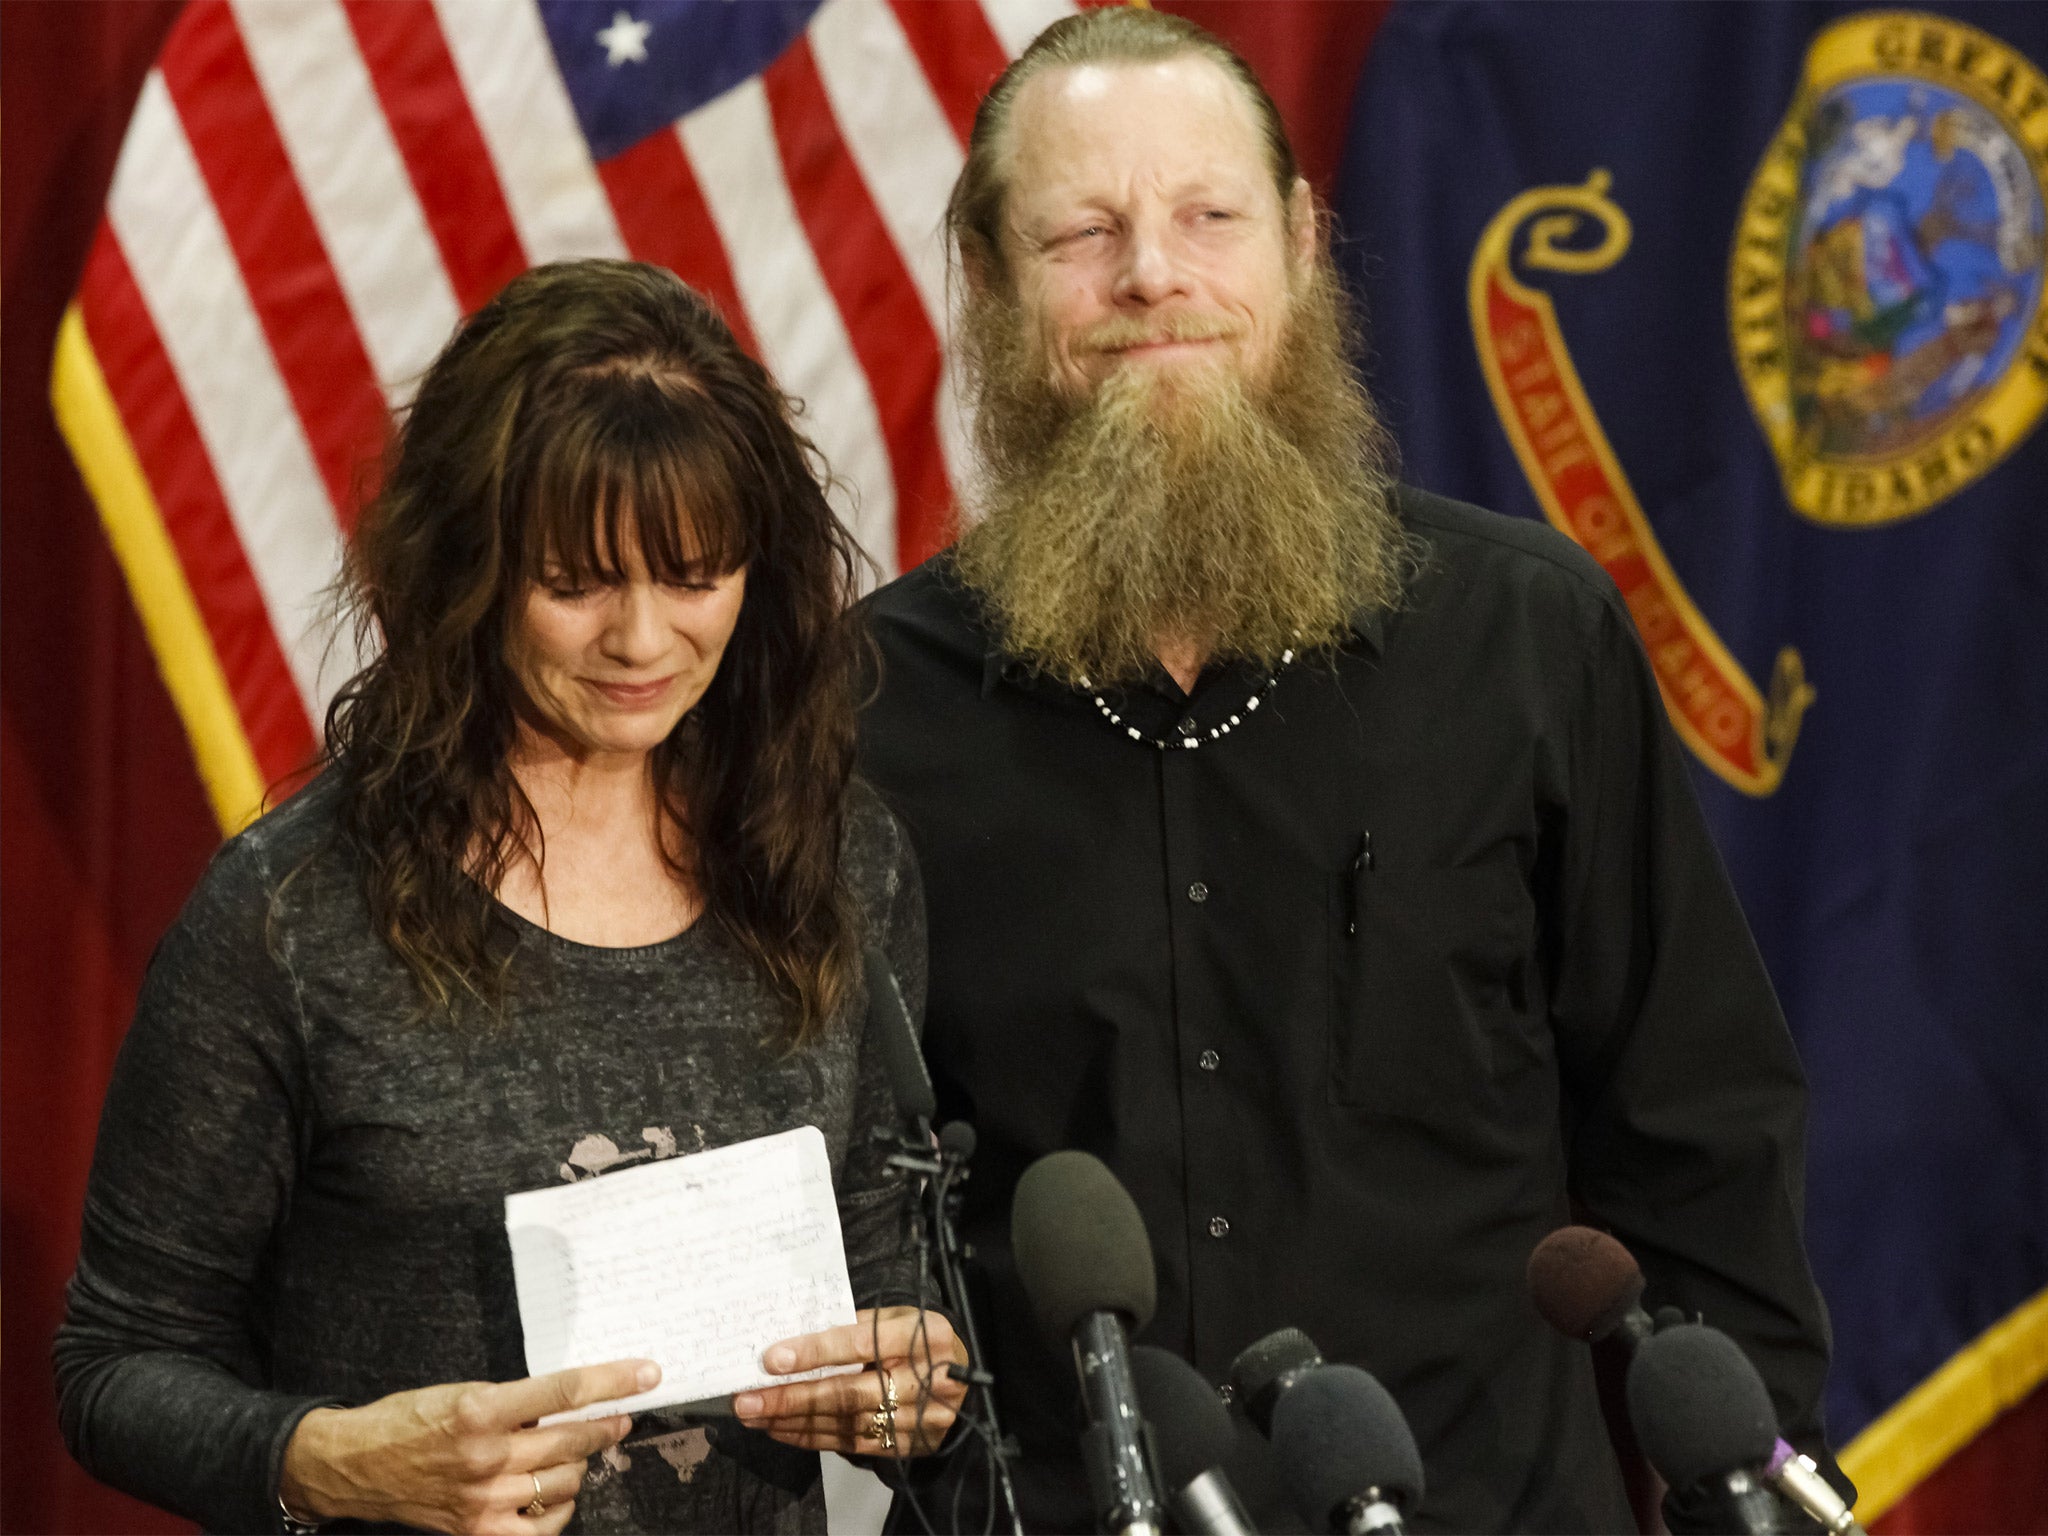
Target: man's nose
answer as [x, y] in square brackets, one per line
[1151, 270]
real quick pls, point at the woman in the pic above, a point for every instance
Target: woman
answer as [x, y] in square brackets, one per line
[583, 884]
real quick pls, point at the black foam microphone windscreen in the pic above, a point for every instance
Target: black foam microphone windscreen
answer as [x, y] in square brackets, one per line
[956, 1139]
[1265, 1369]
[1080, 1245]
[1339, 1434]
[1190, 1425]
[1698, 1406]
[890, 1032]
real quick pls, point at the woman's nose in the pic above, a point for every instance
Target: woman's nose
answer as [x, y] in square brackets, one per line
[635, 632]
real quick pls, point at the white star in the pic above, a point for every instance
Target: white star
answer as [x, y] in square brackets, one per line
[625, 40]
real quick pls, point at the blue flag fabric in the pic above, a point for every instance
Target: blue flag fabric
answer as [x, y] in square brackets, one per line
[689, 52]
[1749, 299]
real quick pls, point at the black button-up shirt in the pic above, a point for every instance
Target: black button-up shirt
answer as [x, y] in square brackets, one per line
[1357, 999]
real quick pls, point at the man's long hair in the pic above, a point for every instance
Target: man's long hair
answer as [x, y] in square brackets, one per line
[595, 407]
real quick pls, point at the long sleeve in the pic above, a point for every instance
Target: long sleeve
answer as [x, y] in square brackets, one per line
[1687, 1102]
[160, 1361]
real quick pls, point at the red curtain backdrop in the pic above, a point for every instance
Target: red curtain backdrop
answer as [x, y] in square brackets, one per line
[106, 828]
[105, 825]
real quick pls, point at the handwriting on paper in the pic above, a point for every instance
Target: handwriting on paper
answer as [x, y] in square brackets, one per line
[697, 1262]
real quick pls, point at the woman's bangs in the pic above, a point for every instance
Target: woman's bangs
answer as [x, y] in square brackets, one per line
[649, 472]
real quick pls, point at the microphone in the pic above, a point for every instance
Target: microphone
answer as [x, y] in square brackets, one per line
[1703, 1417]
[1348, 1452]
[1193, 1435]
[1799, 1480]
[890, 1029]
[1264, 1370]
[934, 1168]
[1588, 1286]
[1086, 1264]
[1709, 1416]
[956, 1140]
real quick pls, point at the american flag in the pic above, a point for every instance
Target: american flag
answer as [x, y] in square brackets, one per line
[311, 193]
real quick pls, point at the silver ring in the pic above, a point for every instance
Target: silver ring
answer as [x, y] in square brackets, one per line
[539, 1506]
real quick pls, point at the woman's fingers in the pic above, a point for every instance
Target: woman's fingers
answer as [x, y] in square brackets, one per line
[851, 1343]
[857, 1437]
[893, 1333]
[840, 1396]
[838, 1413]
[552, 1485]
[937, 1419]
[507, 1405]
[550, 1523]
[562, 1443]
[456, 1456]
[855, 1393]
[844, 1418]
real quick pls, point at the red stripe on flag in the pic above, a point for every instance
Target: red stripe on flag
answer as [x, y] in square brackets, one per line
[959, 54]
[173, 456]
[291, 283]
[443, 149]
[885, 319]
[664, 219]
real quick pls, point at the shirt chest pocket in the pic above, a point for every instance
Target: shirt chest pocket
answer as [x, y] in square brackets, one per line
[1431, 972]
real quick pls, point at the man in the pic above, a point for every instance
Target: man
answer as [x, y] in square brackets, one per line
[1312, 850]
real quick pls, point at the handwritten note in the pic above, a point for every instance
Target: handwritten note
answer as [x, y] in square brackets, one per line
[698, 1262]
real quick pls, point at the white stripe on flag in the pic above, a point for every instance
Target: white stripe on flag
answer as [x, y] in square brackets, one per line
[903, 144]
[896, 131]
[175, 245]
[731, 145]
[1016, 22]
[508, 71]
[356, 184]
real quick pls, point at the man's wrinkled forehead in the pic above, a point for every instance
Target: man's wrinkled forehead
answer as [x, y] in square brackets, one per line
[1089, 130]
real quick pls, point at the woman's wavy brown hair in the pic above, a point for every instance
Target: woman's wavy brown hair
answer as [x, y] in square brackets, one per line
[594, 407]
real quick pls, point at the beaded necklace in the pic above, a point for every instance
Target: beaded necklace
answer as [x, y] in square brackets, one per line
[1187, 736]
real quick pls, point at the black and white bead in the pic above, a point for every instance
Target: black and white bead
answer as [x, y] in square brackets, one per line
[1183, 741]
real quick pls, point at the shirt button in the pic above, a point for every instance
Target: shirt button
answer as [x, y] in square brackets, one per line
[1198, 892]
[1187, 726]
[1208, 1061]
[1228, 1393]
[1218, 1227]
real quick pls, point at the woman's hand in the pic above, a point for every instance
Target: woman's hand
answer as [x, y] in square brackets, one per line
[464, 1457]
[845, 1413]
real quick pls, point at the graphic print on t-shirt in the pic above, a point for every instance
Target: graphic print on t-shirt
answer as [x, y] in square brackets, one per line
[597, 1153]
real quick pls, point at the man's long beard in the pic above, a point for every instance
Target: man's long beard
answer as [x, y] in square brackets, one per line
[1178, 508]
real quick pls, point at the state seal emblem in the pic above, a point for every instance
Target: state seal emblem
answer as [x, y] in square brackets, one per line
[1885, 287]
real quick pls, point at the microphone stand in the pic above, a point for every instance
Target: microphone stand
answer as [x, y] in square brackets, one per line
[940, 1170]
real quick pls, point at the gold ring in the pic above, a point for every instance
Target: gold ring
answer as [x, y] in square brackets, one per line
[882, 1425]
[539, 1506]
[882, 1422]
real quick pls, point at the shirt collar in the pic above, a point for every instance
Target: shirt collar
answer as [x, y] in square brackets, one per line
[1367, 622]
[993, 664]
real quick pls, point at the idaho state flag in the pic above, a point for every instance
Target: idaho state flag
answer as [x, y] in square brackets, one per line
[1749, 301]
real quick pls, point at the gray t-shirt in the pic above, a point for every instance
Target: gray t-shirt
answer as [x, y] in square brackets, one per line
[297, 1196]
